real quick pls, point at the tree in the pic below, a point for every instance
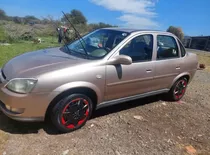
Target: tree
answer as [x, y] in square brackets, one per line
[18, 20]
[176, 31]
[3, 15]
[49, 20]
[99, 25]
[31, 19]
[76, 17]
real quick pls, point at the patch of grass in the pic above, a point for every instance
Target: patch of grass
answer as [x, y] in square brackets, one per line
[8, 52]
[203, 58]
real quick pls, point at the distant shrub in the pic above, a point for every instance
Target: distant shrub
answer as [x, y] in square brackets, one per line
[27, 36]
[176, 31]
[2, 35]
[3, 22]
[18, 20]
[44, 30]
[99, 25]
[16, 32]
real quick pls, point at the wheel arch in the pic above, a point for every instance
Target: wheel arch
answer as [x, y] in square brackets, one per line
[88, 89]
[186, 75]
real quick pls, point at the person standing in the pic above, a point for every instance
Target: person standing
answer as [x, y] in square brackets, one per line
[60, 36]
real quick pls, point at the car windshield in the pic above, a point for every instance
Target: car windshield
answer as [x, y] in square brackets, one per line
[97, 44]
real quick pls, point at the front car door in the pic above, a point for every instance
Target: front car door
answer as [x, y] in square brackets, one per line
[127, 80]
[168, 63]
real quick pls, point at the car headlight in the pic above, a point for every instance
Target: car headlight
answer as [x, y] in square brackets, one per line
[21, 85]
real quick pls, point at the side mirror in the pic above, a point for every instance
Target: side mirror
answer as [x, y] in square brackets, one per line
[120, 59]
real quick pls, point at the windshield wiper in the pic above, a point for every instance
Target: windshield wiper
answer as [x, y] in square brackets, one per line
[77, 33]
[78, 53]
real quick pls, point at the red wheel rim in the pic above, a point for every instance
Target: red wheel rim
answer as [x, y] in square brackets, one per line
[75, 113]
[180, 89]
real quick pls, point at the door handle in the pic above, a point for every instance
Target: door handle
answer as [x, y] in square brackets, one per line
[148, 70]
[178, 68]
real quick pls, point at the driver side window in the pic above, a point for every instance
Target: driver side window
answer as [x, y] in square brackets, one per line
[139, 48]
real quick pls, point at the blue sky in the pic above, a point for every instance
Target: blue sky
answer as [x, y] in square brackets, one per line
[192, 15]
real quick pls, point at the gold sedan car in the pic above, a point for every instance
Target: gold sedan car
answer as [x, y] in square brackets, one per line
[105, 67]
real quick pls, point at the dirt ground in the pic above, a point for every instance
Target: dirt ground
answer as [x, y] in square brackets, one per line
[146, 126]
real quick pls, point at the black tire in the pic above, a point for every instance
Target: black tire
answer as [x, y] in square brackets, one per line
[67, 106]
[172, 96]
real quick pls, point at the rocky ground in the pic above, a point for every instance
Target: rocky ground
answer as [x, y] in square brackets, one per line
[147, 126]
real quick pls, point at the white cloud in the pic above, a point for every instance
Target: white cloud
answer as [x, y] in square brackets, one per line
[137, 22]
[135, 13]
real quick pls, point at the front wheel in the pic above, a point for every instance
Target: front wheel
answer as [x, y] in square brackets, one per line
[178, 89]
[71, 112]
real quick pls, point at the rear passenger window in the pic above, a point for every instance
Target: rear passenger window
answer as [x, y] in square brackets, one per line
[166, 47]
[183, 52]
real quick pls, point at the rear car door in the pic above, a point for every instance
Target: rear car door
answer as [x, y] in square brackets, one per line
[128, 80]
[168, 62]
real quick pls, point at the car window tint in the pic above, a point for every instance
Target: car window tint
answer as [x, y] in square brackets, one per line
[139, 48]
[183, 51]
[166, 47]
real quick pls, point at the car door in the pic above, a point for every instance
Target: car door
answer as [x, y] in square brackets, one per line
[136, 78]
[168, 62]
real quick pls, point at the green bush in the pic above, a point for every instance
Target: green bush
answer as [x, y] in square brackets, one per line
[28, 36]
[3, 36]
[17, 32]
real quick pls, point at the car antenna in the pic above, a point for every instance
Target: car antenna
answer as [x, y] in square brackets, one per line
[76, 33]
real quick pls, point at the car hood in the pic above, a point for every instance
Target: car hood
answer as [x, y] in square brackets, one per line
[37, 62]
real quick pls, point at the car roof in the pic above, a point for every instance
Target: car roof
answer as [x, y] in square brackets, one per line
[130, 30]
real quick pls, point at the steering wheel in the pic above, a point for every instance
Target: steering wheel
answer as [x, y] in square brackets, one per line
[100, 46]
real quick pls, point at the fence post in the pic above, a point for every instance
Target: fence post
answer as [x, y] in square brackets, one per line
[207, 42]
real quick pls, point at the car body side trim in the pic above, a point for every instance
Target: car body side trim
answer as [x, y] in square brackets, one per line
[130, 81]
[130, 98]
[167, 75]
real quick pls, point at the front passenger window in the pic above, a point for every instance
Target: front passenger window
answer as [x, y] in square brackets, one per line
[139, 49]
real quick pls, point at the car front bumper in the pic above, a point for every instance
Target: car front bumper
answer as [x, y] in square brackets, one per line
[24, 107]
[18, 116]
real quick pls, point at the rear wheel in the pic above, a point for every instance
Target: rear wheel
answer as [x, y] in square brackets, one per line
[72, 112]
[178, 89]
